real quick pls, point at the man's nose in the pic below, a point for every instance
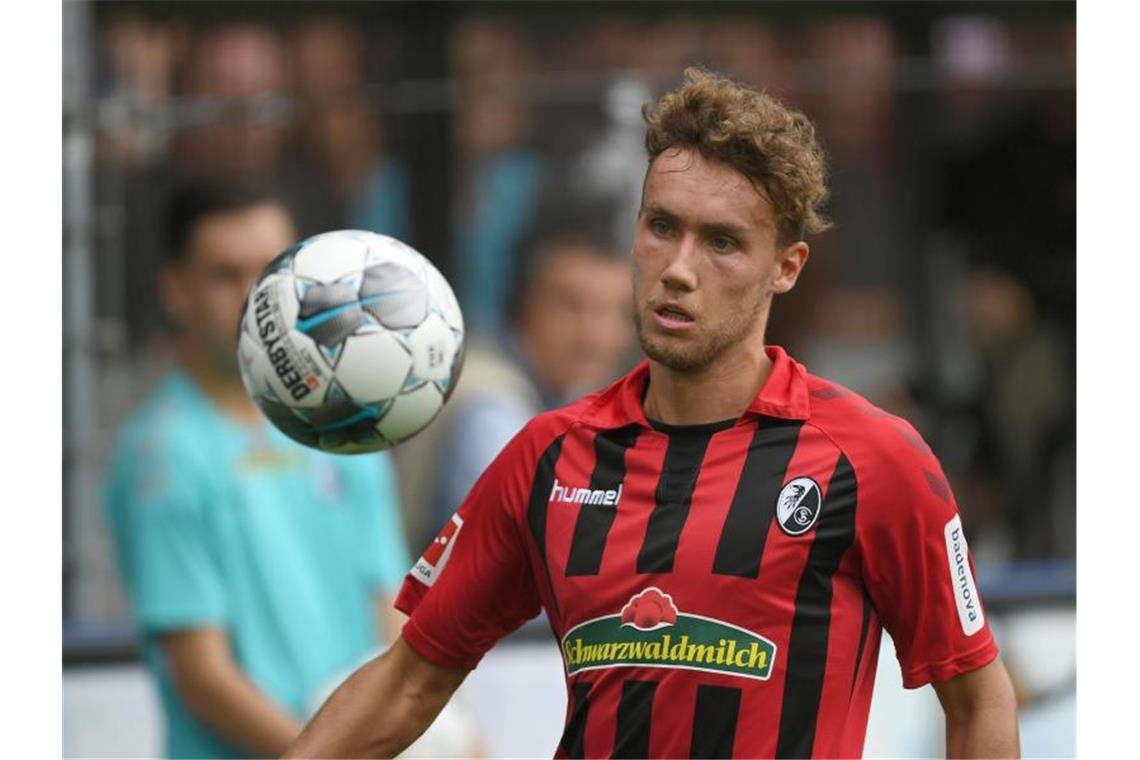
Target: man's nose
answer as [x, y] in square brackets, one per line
[681, 271]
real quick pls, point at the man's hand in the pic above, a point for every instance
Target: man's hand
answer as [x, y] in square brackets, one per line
[219, 694]
[981, 713]
[381, 708]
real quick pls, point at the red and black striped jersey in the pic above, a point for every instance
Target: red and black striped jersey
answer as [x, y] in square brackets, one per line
[716, 590]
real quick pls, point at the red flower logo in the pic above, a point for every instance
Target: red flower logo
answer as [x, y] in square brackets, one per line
[649, 610]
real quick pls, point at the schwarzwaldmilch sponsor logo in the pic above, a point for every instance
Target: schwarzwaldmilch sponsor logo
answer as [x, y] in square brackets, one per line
[651, 632]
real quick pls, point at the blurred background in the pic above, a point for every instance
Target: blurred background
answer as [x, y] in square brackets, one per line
[945, 294]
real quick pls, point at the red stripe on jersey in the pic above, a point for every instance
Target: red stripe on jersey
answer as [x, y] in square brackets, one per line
[720, 472]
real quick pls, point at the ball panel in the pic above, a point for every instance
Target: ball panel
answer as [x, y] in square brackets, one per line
[336, 408]
[333, 327]
[327, 258]
[287, 421]
[394, 295]
[362, 440]
[411, 412]
[433, 349]
[322, 297]
[443, 298]
[384, 248]
[373, 366]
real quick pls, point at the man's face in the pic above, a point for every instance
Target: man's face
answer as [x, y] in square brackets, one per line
[706, 261]
[575, 321]
[205, 291]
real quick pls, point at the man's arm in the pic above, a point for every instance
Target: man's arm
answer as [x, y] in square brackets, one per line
[220, 695]
[389, 620]
[981, 713]
[381, 709]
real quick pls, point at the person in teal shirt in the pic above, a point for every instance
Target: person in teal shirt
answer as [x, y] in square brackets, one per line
[257, 569]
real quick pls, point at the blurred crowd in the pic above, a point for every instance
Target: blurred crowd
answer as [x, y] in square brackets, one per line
[946, 292]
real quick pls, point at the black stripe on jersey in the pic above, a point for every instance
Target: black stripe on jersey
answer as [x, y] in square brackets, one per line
[674, 496]
[745, 529]
[714, 724]
[635, 712]
[862, 637]
[540, 501]
[807, 644]
[594, 521]
[573, 740]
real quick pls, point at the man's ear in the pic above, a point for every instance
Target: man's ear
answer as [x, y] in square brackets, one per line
[789, 263]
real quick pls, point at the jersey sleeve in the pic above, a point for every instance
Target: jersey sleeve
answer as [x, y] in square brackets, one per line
[917, 566]
[475, 582]
[157, 509]
[383, 552]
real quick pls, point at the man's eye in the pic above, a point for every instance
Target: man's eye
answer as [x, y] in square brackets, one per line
[723, 244]
[659, 226]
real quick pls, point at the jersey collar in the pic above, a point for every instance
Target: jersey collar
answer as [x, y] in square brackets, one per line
[783, 395]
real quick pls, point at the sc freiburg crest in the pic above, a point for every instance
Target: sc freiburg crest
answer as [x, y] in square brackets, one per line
[798, 506]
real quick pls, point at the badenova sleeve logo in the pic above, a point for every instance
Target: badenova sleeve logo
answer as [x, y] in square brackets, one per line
[965, 592]
[797, 506]
[429, 566]
[651, 632]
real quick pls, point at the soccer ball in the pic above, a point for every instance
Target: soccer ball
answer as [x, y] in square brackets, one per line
[350, 342]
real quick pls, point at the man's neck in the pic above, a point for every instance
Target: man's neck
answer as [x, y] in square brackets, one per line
[223, 388]
[721, 391]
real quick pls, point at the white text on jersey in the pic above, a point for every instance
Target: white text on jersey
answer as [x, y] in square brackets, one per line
[599, 496]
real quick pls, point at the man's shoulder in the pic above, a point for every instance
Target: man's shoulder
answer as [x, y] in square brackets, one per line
[167, 424]
[868, 435]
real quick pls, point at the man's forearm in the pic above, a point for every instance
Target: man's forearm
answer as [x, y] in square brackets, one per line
[355, 723]
[220, 695]
[988, 731]
[233, 707]
[981, 713]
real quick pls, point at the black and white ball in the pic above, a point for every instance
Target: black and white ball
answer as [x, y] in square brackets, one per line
[351, 342]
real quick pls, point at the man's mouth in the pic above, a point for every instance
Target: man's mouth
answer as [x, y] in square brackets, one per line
[672, 315]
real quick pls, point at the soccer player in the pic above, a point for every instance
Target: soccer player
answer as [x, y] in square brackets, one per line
[258, 569]
[719, 538]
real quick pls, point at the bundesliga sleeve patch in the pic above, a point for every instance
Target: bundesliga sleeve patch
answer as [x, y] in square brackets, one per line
[965, 592]
[431, 564]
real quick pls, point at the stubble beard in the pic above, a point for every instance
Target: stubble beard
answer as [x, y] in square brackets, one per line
[697, 352]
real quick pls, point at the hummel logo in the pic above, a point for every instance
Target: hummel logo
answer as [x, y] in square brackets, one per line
[600, 496]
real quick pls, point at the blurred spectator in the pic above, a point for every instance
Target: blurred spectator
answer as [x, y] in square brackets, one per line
[239, 70]
[140, 57]
[1025, 410]
[611, 167]
[751, 51]
[352, 180]
[257, 568]
[570, 333]
[500, 174]
[854, 108]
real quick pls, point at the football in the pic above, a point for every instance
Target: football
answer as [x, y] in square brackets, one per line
[350, 342]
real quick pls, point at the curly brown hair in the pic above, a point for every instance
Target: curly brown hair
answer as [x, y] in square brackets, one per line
[755, 134]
